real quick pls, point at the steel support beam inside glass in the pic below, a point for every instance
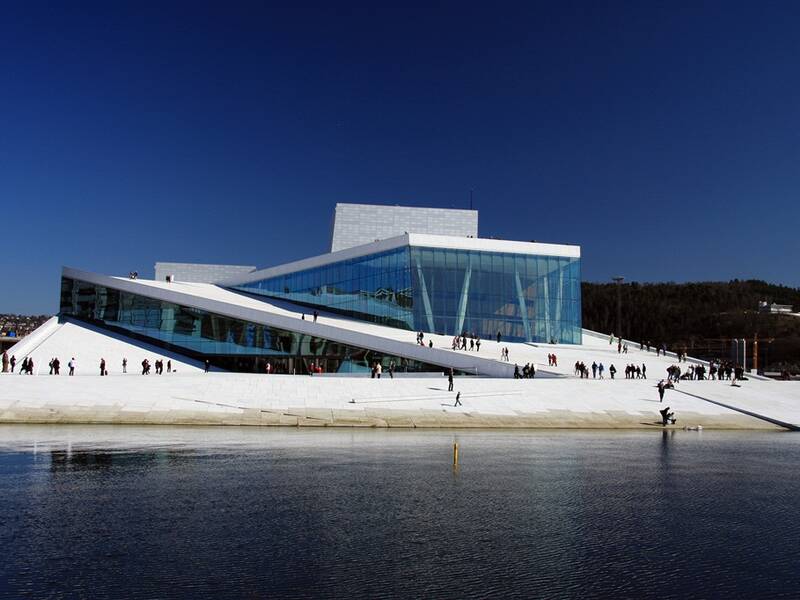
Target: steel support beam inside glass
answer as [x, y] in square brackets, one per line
[462, 302]
[426, 301]
[523, 311]
[546, 310]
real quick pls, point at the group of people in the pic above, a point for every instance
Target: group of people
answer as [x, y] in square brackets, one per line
[581, 370]
[27, 365]
[721, 370]
[377, 369]
[622, 348]
[528, 371]
[504, 353]
[552, 360]
[9, 361]
[421, 340]
[54, 364]
[460, 342]
[635, 371]
[450, 388]
[159, 366]
[660, 348]
[725, 370]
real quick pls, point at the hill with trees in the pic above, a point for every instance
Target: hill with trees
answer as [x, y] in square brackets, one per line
[703, 317]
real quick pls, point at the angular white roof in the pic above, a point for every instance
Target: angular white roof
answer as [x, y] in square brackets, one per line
[411, 239]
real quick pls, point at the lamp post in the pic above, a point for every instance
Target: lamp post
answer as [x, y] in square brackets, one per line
[618, 280]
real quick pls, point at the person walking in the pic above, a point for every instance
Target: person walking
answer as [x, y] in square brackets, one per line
[13, 362]
[450, 381]
[56, 366]
[458, 400]
[208, 365]
[644, 371]
[661, 387]
[124, 365]
[391, 369]
[169, 366]
[612, 370]
[316, 314]
[5, 361]
[594, 370]
[103, 367]
[71, 364]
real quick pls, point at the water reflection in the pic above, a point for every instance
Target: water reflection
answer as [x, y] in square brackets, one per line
[218, 512]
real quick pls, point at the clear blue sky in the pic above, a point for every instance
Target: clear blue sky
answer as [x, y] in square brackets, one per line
[664, 138]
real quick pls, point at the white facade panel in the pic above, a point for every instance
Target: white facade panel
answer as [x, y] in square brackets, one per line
[199, 273]
[358, 224]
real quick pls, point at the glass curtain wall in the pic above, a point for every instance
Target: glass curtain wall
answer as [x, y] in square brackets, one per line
[228, 343]
[522, 297]
[373, 288]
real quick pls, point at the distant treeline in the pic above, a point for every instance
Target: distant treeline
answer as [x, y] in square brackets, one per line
[702, 317]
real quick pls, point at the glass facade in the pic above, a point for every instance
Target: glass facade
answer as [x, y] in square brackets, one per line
[523, 297]
[228, 343]
[376, 287]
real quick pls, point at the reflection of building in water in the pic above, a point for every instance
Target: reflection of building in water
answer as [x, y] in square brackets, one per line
[89, 460]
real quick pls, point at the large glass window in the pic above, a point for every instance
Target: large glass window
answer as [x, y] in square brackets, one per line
[374, 288]
[228, 343]
[522, 297]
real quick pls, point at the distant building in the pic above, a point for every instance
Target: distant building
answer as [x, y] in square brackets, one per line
[15, 327]
[774, 308]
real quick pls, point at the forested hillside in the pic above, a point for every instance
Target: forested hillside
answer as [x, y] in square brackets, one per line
[703, 316]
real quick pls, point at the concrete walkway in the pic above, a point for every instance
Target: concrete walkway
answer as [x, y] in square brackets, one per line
[243, 399]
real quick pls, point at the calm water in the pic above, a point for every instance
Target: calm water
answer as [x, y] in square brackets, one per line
[225, 512]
